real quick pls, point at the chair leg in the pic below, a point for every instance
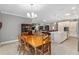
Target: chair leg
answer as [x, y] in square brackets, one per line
[23, 50]
[49, 49]
[18, 48]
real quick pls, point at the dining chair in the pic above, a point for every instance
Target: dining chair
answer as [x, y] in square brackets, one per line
[45, 48]
[24, 33]
[25, 47]
[22, 46]
[31, 49]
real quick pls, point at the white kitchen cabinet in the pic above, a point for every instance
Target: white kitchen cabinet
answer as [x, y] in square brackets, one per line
[58, 37]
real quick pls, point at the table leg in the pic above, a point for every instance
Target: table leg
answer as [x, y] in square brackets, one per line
[35, 51]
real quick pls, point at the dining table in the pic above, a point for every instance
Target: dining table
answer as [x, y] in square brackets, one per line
[33, 40]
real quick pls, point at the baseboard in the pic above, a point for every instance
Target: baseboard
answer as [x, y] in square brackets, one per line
[70, 37]
[73, 37]
[7, 42]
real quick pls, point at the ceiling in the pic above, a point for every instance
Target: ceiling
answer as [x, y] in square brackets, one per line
[47, 13]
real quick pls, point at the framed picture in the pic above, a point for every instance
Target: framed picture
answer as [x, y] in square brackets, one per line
[0, 25]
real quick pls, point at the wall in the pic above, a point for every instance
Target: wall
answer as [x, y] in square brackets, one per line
[72, 27]
[0, 21]
[78, 29]
[78, 35]
[11, 27]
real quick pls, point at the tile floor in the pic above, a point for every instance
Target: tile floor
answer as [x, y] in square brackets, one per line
[68, 47]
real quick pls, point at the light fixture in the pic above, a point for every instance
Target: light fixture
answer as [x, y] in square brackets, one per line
[31, 15]
[28, 15]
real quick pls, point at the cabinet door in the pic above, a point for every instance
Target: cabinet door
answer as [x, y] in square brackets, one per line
[47, 27]
[26, 27]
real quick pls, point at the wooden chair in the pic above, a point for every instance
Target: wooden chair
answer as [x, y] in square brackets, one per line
[21, 46]
[31, 49]
[24, 33]
[45, 49]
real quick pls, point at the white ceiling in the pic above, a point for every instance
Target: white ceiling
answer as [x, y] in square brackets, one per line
[48, 12]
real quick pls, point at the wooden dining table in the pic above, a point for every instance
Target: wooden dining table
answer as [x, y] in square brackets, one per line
[34, 40]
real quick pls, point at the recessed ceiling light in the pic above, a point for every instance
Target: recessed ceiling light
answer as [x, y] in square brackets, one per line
[73, 8]
[67, 14]
[44, 20]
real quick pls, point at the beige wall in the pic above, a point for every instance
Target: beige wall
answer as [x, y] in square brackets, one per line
[11, 27]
